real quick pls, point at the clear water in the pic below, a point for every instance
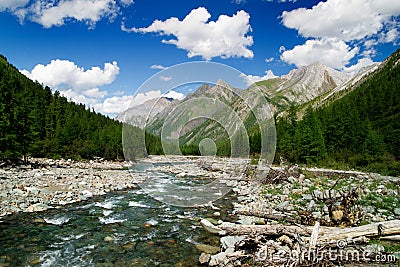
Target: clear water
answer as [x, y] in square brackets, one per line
[126, 228]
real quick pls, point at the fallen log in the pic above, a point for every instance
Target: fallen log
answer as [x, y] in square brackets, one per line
[239, 229]
[265, 215]
[370, 230]
[325, 234]
[391, 238]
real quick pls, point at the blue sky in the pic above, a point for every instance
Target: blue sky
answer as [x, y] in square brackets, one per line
[99, 52]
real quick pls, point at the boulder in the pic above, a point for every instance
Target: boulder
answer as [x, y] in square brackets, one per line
[230, 241]
[207, 248]
[218, 259]
[204, 258]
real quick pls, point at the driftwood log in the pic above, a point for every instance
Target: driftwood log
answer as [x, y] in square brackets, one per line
[387, 228]
[266, 215]
[325, 234]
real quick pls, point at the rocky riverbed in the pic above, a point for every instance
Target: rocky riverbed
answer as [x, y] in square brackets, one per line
[46, 183]
[304, 197]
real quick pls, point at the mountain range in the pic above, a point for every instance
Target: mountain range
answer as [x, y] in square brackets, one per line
[311, 85]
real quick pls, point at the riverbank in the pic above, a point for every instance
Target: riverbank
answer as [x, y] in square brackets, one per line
[304, 197]
[45, 183]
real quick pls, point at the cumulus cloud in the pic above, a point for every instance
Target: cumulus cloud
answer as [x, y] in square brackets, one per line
[95, 92]
[158, 67]
[250, 79]
[337, 30]
[12, 5]
[118, 104]
[66, 73]
[82, 85]
[226, 37]
[362, 62]
[58, 12]
[347, 20]
[175, 95]
[332, 52]
[73, 82]
[90, 11]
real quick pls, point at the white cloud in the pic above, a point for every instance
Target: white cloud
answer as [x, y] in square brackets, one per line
[66, 73]
[226, 37]
[78, 97]
[118, 104]
[344, 19]
[58, 12]
[270, 59]
[332, 52]
[391, 36]
[81, 86]
[76, 83]
[175, 95]
[95, 92]
[165, 78]
[90, 11]
[250, 79]
[362, 62]
[12, 4]
[127, 2]
[114, 105]
[158, 67]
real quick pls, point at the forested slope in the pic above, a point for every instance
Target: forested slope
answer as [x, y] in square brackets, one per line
[36, 122]
[360, 130]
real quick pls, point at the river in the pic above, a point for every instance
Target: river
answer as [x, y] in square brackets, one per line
[123, 228]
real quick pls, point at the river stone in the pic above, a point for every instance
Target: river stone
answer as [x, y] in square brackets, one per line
[37, 207]
[375, 248]
[207, 248]
[218, 259]
[337, 215]
[282, 205]
[87, 193]
[397, 211]
[108, 239]
[311, 205]
[216, 214]
[204, 258]
[230, 241]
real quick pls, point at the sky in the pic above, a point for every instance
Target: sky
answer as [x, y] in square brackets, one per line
[101, 52]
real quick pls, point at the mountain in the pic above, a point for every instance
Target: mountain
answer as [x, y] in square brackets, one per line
[302, 85]
[140, 114]
[296, 88]
[179, 111]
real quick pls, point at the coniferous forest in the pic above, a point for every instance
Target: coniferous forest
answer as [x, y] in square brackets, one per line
[36, 122]
[360, 130]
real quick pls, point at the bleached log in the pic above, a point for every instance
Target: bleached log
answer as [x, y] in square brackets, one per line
[325, 234]
[239, 229]
[391, 238]
[265, 215]
[369, 230]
